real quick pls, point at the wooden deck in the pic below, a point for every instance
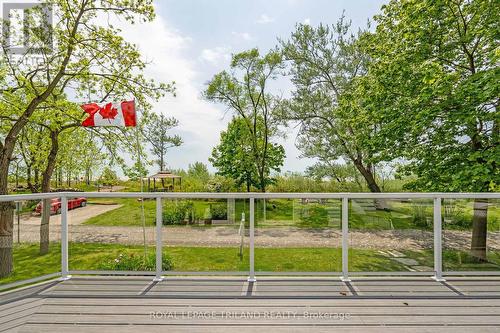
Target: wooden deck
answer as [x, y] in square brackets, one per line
[135, 304]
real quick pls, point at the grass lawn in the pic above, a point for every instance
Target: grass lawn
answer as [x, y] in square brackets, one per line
[85, 256]
[458, 260]
[295, 213]
[130, 214]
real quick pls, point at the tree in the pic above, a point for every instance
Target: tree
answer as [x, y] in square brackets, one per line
[244, 91]
[90, 153]
[199, 171]
[86, 56]
[108, 177]
[326, 63]
[233, 156]
[342, 173]
[137, 172]
[434, 85]
[53, 125]
[32, 144]
[155, 129]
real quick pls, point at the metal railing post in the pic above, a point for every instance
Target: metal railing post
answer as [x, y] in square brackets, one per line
[251, 277]
[345, 239]
[64, 239]
[438, 248]
[159, 244]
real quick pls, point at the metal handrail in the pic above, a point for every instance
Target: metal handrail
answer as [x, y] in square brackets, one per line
[255, 195]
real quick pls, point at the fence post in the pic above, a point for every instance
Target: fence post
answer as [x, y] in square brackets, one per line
[251, 277]
[159, 224]
[438, 249]
[64, 239]
[345, 239]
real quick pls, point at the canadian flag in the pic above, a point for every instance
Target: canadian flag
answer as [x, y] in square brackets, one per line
[118, 114]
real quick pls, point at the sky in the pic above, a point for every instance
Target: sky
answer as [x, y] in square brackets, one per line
[192, 40]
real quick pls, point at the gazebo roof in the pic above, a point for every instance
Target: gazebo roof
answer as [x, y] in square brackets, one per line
[164, 175]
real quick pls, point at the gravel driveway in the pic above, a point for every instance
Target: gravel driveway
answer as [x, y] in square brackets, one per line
[75, 216]
[221, 236]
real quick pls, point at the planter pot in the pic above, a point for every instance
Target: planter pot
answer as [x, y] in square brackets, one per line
[219, 222]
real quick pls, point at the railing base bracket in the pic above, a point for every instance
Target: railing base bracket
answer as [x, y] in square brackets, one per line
[438, 279]
[65, 278]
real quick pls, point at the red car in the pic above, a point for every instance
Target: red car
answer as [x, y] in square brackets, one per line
[55, 205]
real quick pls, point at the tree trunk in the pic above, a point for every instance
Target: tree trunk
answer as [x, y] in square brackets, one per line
[47, 175]
[479, 230]
[58, 177]
[28, 177]
[6, 225]
[367, 174]
[6, 212]
[262, 181]
[44, 227]
[17, 175]
[37, 180]
[87, 176]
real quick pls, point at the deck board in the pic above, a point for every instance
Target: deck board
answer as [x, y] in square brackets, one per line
[134, 304]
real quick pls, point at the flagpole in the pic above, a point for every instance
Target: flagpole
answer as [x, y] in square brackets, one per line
[143, 218]
[91, 109]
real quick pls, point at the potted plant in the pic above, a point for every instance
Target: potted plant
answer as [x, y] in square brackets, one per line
[207, 216]
[218, 213]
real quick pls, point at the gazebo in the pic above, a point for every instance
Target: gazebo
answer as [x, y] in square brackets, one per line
[166, 186]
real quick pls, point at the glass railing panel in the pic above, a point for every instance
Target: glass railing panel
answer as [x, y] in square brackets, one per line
[471, 234]
[206, 235]
[391, 235]
[36, 248]
[111, 234]
[298, 235]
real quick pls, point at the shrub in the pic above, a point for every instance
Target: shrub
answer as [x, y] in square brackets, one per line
[419, 215]
[459, 220]
[456, 217]
[174, 216]
[135, 262]
[178, 213]
[218, 212]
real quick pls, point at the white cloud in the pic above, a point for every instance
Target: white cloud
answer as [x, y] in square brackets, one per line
[216, 55]
[199, 121]
[265, 19]
[242, 35]
[307, 21]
